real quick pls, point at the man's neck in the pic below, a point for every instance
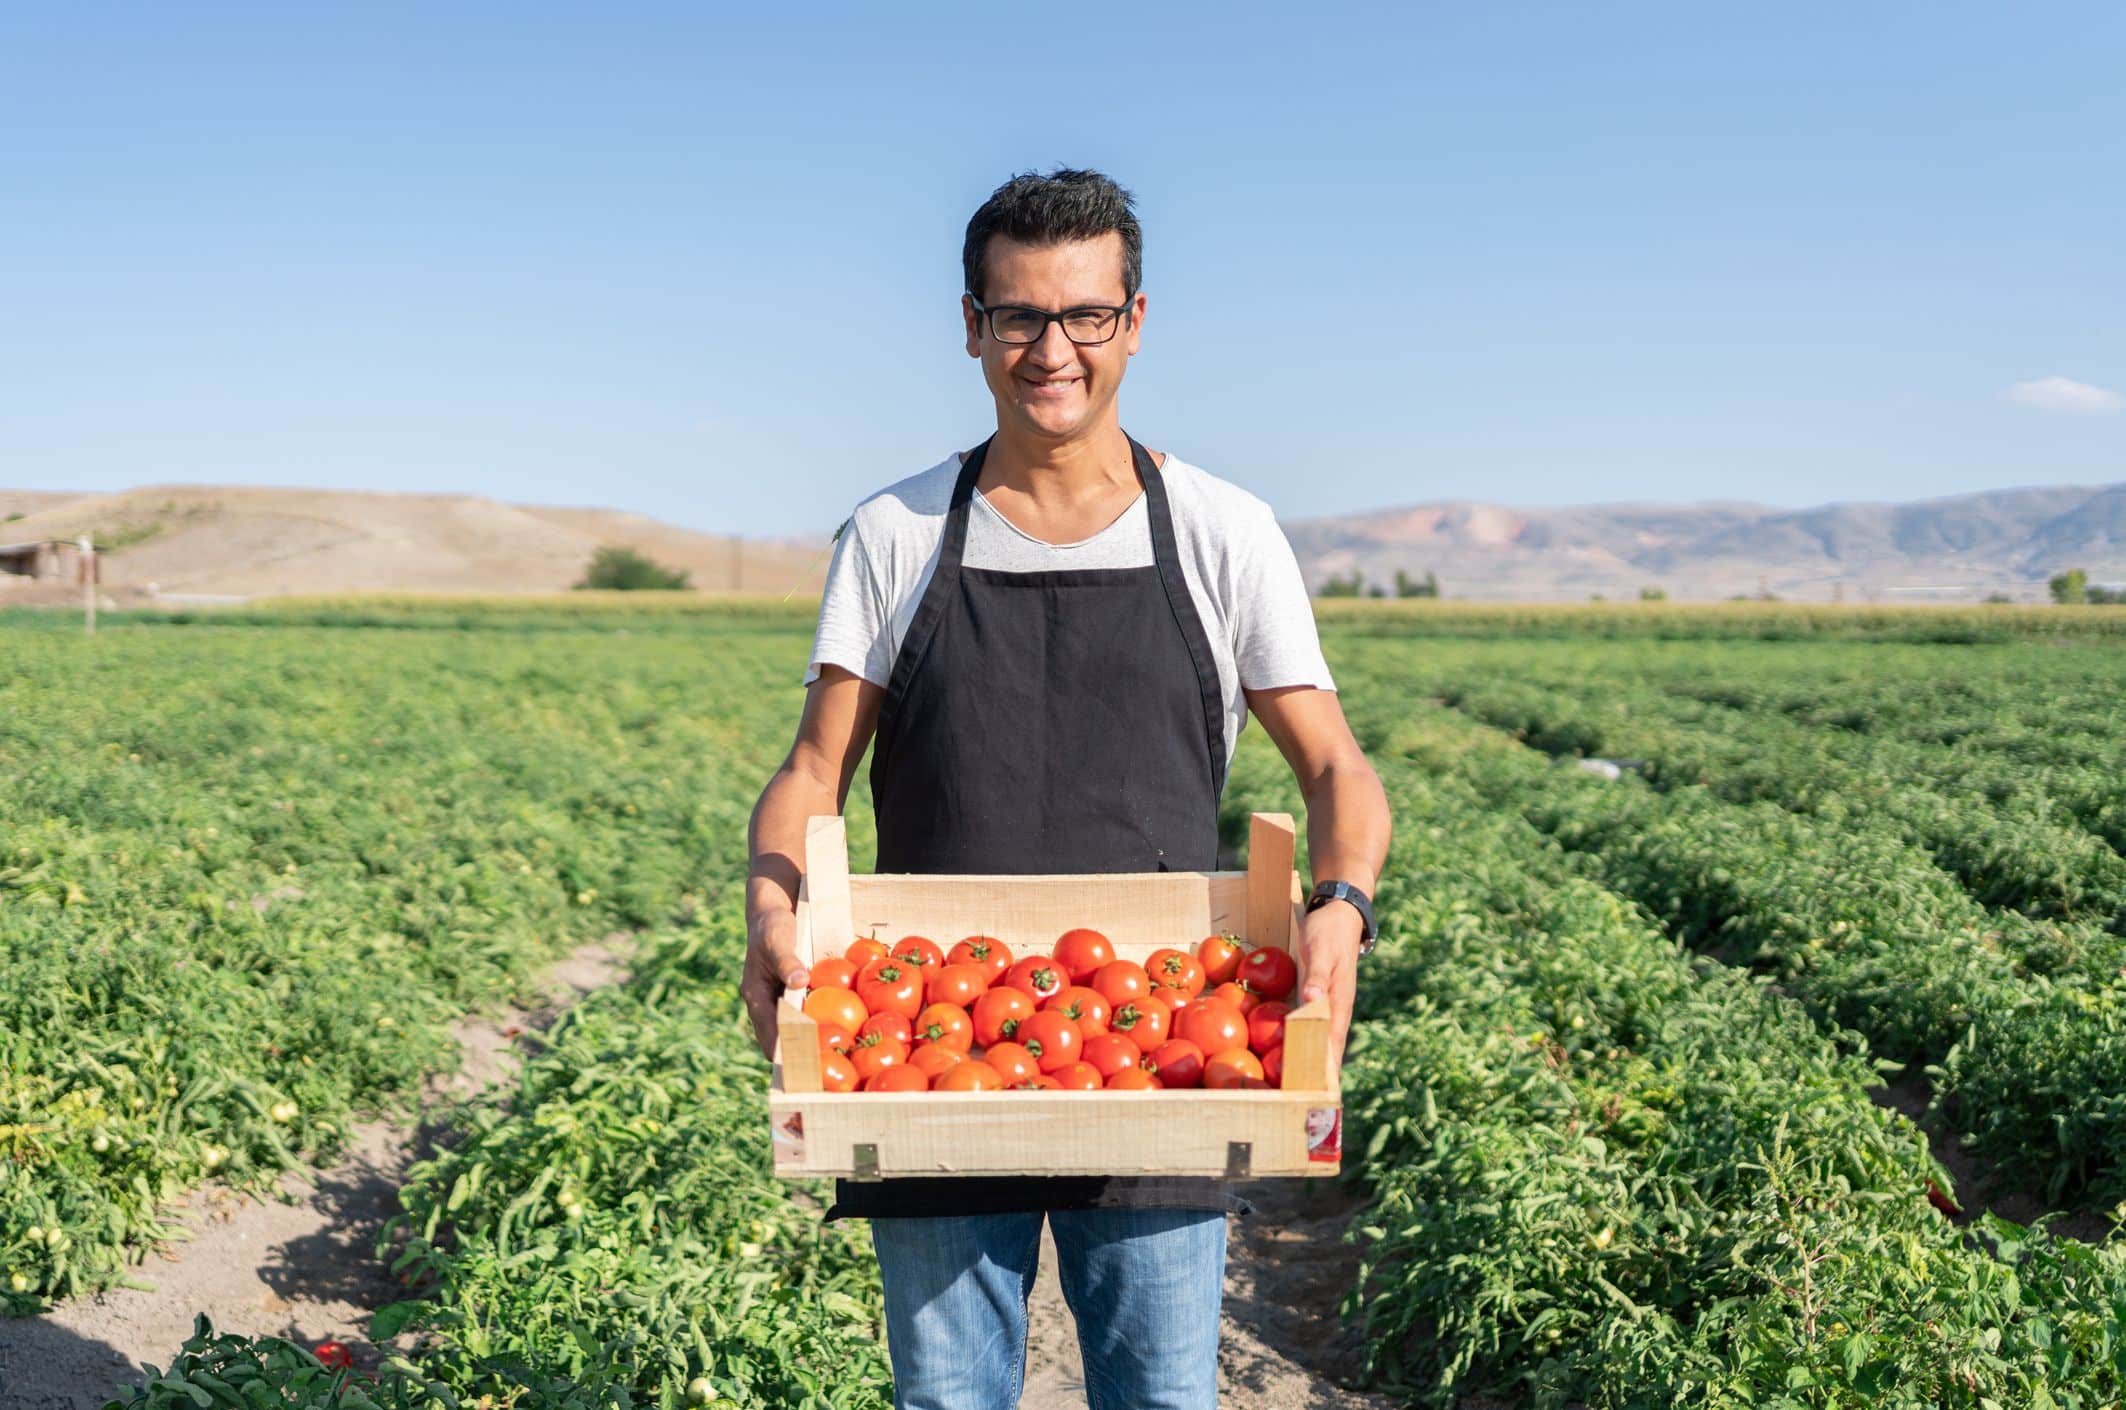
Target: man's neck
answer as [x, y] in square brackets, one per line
[1058, 476]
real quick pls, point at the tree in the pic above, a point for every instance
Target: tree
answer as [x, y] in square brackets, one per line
[1336, 586]
[2110, 597]
[1407, 586]
[613, 567]
[2069, 587]
[1653, 594]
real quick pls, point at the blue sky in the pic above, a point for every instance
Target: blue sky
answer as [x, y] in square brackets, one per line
[1529, 254]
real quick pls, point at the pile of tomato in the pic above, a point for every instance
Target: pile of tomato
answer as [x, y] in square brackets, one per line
[975, 1018]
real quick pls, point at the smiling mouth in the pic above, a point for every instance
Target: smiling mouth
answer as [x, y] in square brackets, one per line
[1053, 386]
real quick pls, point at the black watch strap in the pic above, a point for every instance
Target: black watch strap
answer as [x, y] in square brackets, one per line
[1327, 891]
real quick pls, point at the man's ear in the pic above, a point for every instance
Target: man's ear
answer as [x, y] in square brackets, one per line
[1136, 320]
[974, 335]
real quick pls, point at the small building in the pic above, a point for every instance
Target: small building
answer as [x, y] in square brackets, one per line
[41, 558]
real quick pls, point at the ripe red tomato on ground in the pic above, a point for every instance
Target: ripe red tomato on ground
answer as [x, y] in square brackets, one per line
[1266, 1026]
[1119, 981]
[886, 1025]
[891, 986]
[959, 984]
[933, 1060]
[971, 1076]
[1145, 1022]
[1174, 972]
[1235, 1069]
[1133, 1079]
[1079, 1077]
[1214, 1026]
[863, 952]
[1012, 1062]
[1052, 1038]
[1273, 1066]
[833, 974]
[1238, 995]
[1177, 1063]
[1220, 956]
[1269, 971]
[918, 951]
[838, 1007]
[1081, 952]
[1083, 1006]
[333, 1355]
[1111, 1053]
[946, 1025]
[998, 1014]
[985, 953]
[905, 1078]
[1037, 976]
[836, 1073]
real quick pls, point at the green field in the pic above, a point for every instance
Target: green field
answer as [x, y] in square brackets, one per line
[1609, 1094]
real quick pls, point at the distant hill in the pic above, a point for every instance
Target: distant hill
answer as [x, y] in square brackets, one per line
[230, 540]
[1960, 549]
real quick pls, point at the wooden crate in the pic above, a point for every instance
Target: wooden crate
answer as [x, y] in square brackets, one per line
[1296, 1130]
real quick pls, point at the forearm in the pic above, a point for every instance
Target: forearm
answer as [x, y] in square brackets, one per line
[1347, 824]
[775, 838]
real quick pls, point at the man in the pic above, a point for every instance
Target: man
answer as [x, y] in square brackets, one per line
[1051, 643]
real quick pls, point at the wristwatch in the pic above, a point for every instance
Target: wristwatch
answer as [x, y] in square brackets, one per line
[1327, 891]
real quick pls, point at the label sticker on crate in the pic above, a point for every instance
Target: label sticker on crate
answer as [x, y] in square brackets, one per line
[789, 1137]
[1325, 1133]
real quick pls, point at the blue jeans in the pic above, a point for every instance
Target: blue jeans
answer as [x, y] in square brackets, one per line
[1144, 1286]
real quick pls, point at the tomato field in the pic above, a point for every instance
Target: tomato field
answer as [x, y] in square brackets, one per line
[1741, 969]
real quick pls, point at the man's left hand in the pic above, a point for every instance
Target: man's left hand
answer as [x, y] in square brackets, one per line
[1328, 943]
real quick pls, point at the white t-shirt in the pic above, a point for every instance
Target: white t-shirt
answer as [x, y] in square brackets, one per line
[1240, 570]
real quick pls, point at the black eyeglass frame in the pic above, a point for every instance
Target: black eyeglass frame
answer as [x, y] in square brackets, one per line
[988, 318]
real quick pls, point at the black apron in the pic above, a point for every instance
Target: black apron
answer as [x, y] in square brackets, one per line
[1066, 721]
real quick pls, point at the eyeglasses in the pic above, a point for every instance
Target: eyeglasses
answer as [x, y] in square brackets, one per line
[1016, 323]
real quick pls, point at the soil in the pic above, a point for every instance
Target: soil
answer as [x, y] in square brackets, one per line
[300, 1267]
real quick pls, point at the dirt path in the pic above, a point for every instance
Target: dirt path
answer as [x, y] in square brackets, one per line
[1281, 1346]
[302, 1270]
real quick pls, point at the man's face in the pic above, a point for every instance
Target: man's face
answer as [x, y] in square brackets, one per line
[1054, 389]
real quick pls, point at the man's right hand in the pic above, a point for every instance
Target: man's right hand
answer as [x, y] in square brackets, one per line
[771, 967]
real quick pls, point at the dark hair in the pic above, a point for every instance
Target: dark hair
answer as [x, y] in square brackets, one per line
[1066, 204]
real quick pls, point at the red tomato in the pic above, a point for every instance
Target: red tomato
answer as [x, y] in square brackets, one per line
[946, 1025]
[1238, 995]
[1052, 1038]
[990, 956]
[1133, 1079]
[833, 1038]
[838, 1007]
[1220, 956]
[1081, 952]
[1079, 1077]
[834, 974]
[922, 953]
[887, 1025]
[873, 1055]
[1172, 972]
[1214, 1026]
[957, 984]
[1119, 981]
[1084, 1006]
[863, 952]
[933, 1060]
[1229, 1070]
[1273, 1066]
[971, 1076]
[1176, 1063]
[1037, 977]
[836, 1073]
[1266, 1027]
[1012, 1062]
[998, 1014]
[1111, 1053]
[1269, 971]
[333, 1355]
[1039, 1082]
[891, 986]
[905, 1078]
[1144, 1022]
